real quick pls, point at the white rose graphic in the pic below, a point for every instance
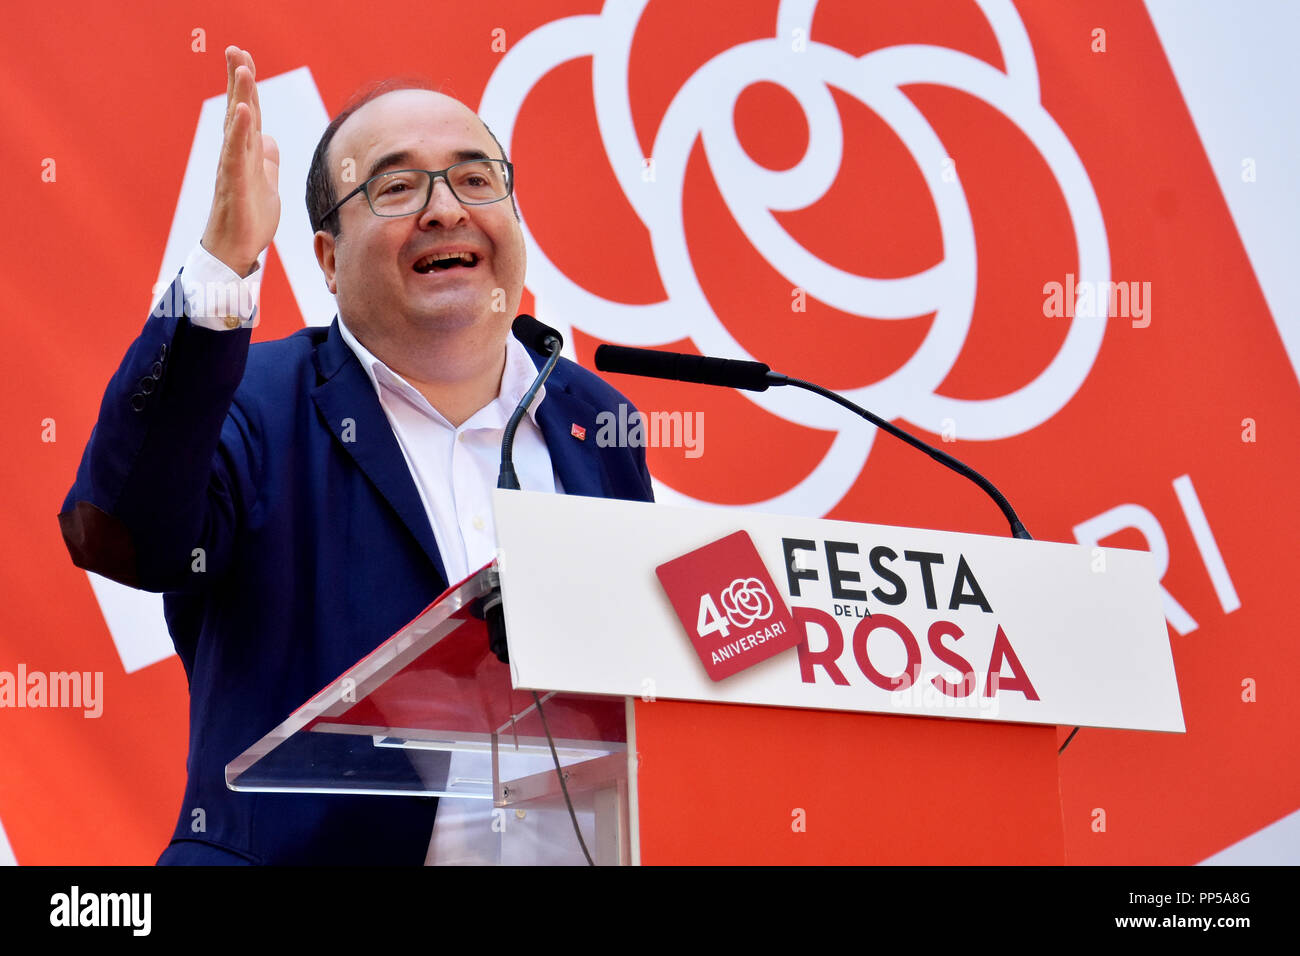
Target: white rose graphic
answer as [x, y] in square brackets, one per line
[746, 600]
[809, 66]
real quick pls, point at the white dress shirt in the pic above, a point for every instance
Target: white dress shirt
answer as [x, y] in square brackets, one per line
[454, 470]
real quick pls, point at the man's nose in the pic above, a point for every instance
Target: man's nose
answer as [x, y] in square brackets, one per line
[443, 208]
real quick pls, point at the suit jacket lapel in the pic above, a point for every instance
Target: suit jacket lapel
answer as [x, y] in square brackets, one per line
[346, 393]
[578, 462]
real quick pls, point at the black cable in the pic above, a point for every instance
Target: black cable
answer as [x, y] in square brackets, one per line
[559, 773]
[1067, 741]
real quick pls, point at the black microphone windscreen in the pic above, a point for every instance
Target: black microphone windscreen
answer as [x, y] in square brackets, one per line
[534, 334]
[729, 373]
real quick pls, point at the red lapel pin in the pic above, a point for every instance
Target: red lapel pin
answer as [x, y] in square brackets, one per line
[578, 432]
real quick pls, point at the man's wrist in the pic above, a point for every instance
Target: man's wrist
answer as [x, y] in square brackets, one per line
[217, 297]
[240, 264]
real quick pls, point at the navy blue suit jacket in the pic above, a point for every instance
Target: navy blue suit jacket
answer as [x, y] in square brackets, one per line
[315, 549]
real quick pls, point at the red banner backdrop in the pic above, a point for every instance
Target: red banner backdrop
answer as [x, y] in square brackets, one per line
[992, 222]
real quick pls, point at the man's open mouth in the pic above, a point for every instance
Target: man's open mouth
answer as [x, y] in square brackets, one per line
[441, 261]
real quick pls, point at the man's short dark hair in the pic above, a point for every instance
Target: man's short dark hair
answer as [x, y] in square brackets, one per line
[320, 184]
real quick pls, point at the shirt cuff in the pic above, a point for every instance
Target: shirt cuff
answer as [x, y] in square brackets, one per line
[216, 297]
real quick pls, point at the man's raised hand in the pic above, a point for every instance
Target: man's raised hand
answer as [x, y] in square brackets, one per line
[246, 203]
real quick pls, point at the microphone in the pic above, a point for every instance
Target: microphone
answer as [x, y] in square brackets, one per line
[536, 335]
[540, 338]
[757, 377]
[729, 373]
[544, 339]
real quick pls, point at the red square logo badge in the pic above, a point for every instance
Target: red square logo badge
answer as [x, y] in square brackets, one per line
[728, 604]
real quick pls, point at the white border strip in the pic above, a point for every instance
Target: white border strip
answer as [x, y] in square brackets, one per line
[7, 857]
[1277, 844]
[1236, 67]
[633, 803]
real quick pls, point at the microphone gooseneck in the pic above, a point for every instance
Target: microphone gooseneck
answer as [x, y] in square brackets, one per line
[544, 339]
[757, 377]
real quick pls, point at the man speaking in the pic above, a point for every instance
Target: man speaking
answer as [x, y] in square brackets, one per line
[301, 500]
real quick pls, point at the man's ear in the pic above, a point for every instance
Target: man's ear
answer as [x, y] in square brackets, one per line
[323, 243]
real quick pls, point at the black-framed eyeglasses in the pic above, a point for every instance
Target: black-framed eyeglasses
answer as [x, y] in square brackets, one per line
[405, 192]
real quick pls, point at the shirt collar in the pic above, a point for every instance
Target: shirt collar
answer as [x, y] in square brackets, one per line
[516, 378]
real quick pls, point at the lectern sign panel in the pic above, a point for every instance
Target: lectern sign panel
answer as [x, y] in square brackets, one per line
[801, 612]
[731, 609]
